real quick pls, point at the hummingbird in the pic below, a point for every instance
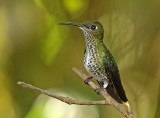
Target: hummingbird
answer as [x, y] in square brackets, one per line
[99, 62]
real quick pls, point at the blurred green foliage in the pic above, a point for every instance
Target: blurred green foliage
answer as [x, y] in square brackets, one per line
[34, 49]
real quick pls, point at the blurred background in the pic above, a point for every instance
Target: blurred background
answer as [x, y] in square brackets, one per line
[34, 49]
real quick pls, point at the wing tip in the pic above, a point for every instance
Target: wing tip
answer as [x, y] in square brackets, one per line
[114, 95]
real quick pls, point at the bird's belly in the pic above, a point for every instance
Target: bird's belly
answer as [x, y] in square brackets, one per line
[95, 69]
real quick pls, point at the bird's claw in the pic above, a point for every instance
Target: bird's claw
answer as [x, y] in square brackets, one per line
[98, 90]
[87, 80]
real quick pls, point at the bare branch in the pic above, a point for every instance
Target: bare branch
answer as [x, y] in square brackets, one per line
[108, 99]
[61, 98]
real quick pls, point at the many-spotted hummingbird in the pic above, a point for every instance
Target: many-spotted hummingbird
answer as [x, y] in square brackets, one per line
[99, 62]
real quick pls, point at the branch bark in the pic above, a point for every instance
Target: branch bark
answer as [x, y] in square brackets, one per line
[61, 98]
[108, 99]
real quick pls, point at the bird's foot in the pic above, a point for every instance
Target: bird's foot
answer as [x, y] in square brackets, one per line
[87, 80]
[98, 90]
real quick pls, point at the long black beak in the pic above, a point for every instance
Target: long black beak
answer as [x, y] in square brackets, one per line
[74, 24]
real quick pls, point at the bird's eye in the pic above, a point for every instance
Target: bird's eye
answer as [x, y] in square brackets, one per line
[93, 27]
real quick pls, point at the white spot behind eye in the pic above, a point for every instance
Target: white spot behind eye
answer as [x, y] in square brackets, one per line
[96, 27]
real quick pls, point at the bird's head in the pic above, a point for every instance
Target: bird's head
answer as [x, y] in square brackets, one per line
[91, 29]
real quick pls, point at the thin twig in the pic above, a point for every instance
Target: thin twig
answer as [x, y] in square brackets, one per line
[108, 99]
[61, 98]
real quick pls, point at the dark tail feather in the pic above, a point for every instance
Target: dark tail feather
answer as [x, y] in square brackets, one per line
[112, 92]
[118, 85]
